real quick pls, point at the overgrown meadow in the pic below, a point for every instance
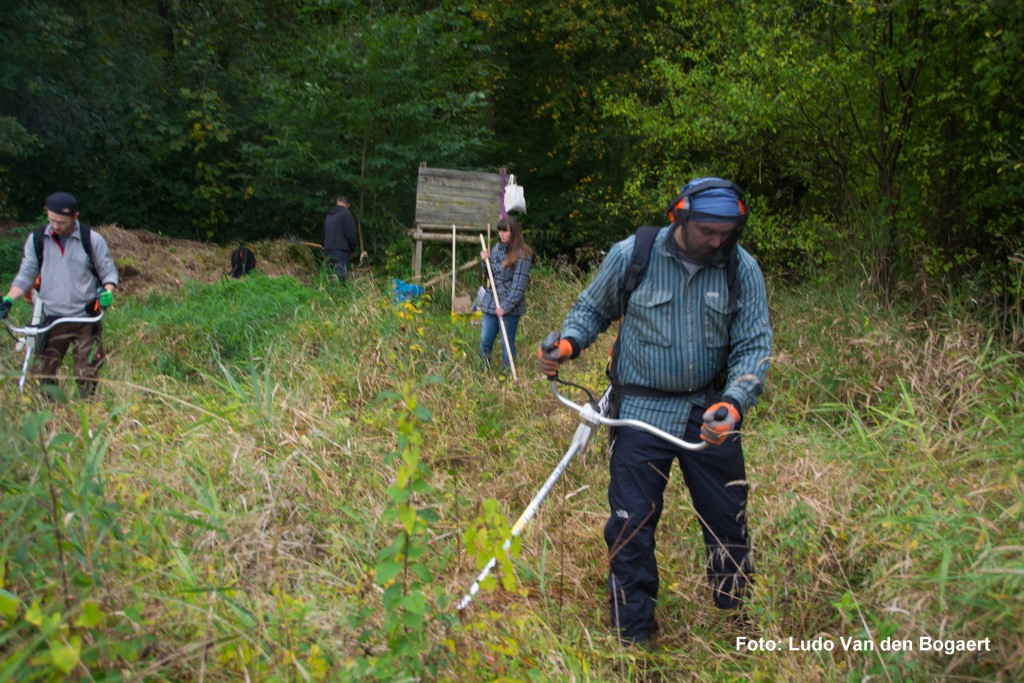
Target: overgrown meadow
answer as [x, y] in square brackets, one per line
[291, 482]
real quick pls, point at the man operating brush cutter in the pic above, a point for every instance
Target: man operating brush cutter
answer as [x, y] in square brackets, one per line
[690, 359]
[70, 267]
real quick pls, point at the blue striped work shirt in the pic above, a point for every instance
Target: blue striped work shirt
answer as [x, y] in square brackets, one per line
[676, 331]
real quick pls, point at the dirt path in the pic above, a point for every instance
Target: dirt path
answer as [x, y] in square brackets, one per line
[148, 262]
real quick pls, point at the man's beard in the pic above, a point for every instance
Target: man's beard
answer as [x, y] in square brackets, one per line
[703, 257]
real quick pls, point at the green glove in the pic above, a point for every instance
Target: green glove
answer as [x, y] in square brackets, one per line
[106, 297]
[5, 307]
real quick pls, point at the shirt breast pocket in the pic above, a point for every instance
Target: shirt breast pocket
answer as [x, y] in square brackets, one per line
[717, 320]
[651, 311]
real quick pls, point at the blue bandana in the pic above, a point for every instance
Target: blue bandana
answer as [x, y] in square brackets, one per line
[717, 202]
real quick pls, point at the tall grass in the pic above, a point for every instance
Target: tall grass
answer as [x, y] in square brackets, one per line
[222, 511]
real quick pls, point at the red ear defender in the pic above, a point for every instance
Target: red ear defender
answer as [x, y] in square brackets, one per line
[683, 201]
[683, 204]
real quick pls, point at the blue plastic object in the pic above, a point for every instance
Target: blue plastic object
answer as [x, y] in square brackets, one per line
[406, 291]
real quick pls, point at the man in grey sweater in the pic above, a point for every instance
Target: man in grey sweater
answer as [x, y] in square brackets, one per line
[72, 280]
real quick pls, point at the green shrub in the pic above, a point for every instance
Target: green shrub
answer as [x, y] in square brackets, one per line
[12, 248]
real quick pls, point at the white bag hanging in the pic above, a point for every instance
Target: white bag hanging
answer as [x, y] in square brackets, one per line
[515, 199]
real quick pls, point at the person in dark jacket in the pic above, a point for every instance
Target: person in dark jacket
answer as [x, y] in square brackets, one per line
[340, 237]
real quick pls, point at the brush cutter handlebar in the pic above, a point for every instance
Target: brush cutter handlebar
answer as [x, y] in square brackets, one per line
[23, 334]
[594, 414]
[35, 330]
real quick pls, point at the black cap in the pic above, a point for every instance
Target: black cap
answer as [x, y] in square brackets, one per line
[62, 203]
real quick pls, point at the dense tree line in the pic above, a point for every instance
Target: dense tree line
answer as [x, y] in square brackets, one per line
[236, 119]
[889, 132]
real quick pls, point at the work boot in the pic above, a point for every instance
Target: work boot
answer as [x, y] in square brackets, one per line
[643, 642]
[739, 622]
[87, 390]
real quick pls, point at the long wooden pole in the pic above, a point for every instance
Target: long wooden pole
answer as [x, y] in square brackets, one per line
[453, 268]
[501, 322]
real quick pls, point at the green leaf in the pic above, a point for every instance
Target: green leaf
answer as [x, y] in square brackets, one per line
[61, 439]
[386, 571]
[414, 603]
[34, 424]
[50, 623]
[422, 572]
[392, 595]
[8, 604]
[65, 655]
[34, 615]
[416, 551]
[91, 615]
[407, 516]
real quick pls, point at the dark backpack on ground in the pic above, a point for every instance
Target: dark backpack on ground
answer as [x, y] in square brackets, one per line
[643, 245]
[242, 262]
[39, 234]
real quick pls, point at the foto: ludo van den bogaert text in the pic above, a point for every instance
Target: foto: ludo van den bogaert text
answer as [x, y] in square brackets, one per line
[828, 644]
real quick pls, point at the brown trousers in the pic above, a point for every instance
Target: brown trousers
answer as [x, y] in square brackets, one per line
[87, 354]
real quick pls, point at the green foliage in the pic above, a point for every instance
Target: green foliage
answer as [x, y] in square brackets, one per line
[564, 59]
[862, 113]
[260, 516]
[166, 119]
[227, 322]
[58, 527]
[15, 143]
[897, 126]
[486, 538]
[788, 244]
[401, 568]
[12, 248]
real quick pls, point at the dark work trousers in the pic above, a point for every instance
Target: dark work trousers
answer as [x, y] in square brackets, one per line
[340, 261]
[640, 467]
[87, 353]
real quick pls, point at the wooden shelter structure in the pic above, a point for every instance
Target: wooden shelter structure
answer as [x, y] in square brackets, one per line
[468, 200]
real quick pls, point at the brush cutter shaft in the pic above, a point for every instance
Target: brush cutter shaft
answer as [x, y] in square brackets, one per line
[24, 367]
[578, 443]
[595, 415]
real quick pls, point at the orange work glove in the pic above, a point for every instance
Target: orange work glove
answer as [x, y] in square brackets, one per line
[720, 420]
[551, 353]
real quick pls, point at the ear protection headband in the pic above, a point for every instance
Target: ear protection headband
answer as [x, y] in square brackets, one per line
[683, 201]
